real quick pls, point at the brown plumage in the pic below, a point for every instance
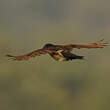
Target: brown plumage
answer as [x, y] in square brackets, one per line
[59, 52]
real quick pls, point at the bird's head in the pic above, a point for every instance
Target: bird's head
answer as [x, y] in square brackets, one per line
[46, 46]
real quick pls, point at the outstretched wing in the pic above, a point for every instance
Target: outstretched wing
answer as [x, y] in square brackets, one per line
[98, 44]
[31, 54]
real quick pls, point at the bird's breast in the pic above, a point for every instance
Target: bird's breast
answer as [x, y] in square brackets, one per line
[58, 57]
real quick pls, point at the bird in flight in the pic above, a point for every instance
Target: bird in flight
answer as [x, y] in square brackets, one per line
[59, 52]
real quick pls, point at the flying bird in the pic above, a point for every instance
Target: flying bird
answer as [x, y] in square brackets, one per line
[59, 52]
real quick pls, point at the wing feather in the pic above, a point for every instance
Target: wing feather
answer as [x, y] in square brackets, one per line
[98, 44]
[29, 55]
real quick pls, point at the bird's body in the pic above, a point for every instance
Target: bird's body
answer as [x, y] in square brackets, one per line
[64, 55]
[59, 52]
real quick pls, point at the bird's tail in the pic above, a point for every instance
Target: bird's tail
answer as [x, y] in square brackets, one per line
[80, 57]
[76, 57]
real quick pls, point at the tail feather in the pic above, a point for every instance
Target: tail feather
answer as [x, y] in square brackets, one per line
[79, 57]
[71, 56]
[76, 57]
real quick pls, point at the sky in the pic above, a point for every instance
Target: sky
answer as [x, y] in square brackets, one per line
[42, 83]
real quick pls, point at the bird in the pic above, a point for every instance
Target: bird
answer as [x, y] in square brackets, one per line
[59, 52]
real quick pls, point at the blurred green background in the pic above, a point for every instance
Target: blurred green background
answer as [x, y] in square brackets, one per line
[43, 83]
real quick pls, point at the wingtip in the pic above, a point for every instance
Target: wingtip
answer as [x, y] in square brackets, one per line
[102, 42]
[9, 55]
